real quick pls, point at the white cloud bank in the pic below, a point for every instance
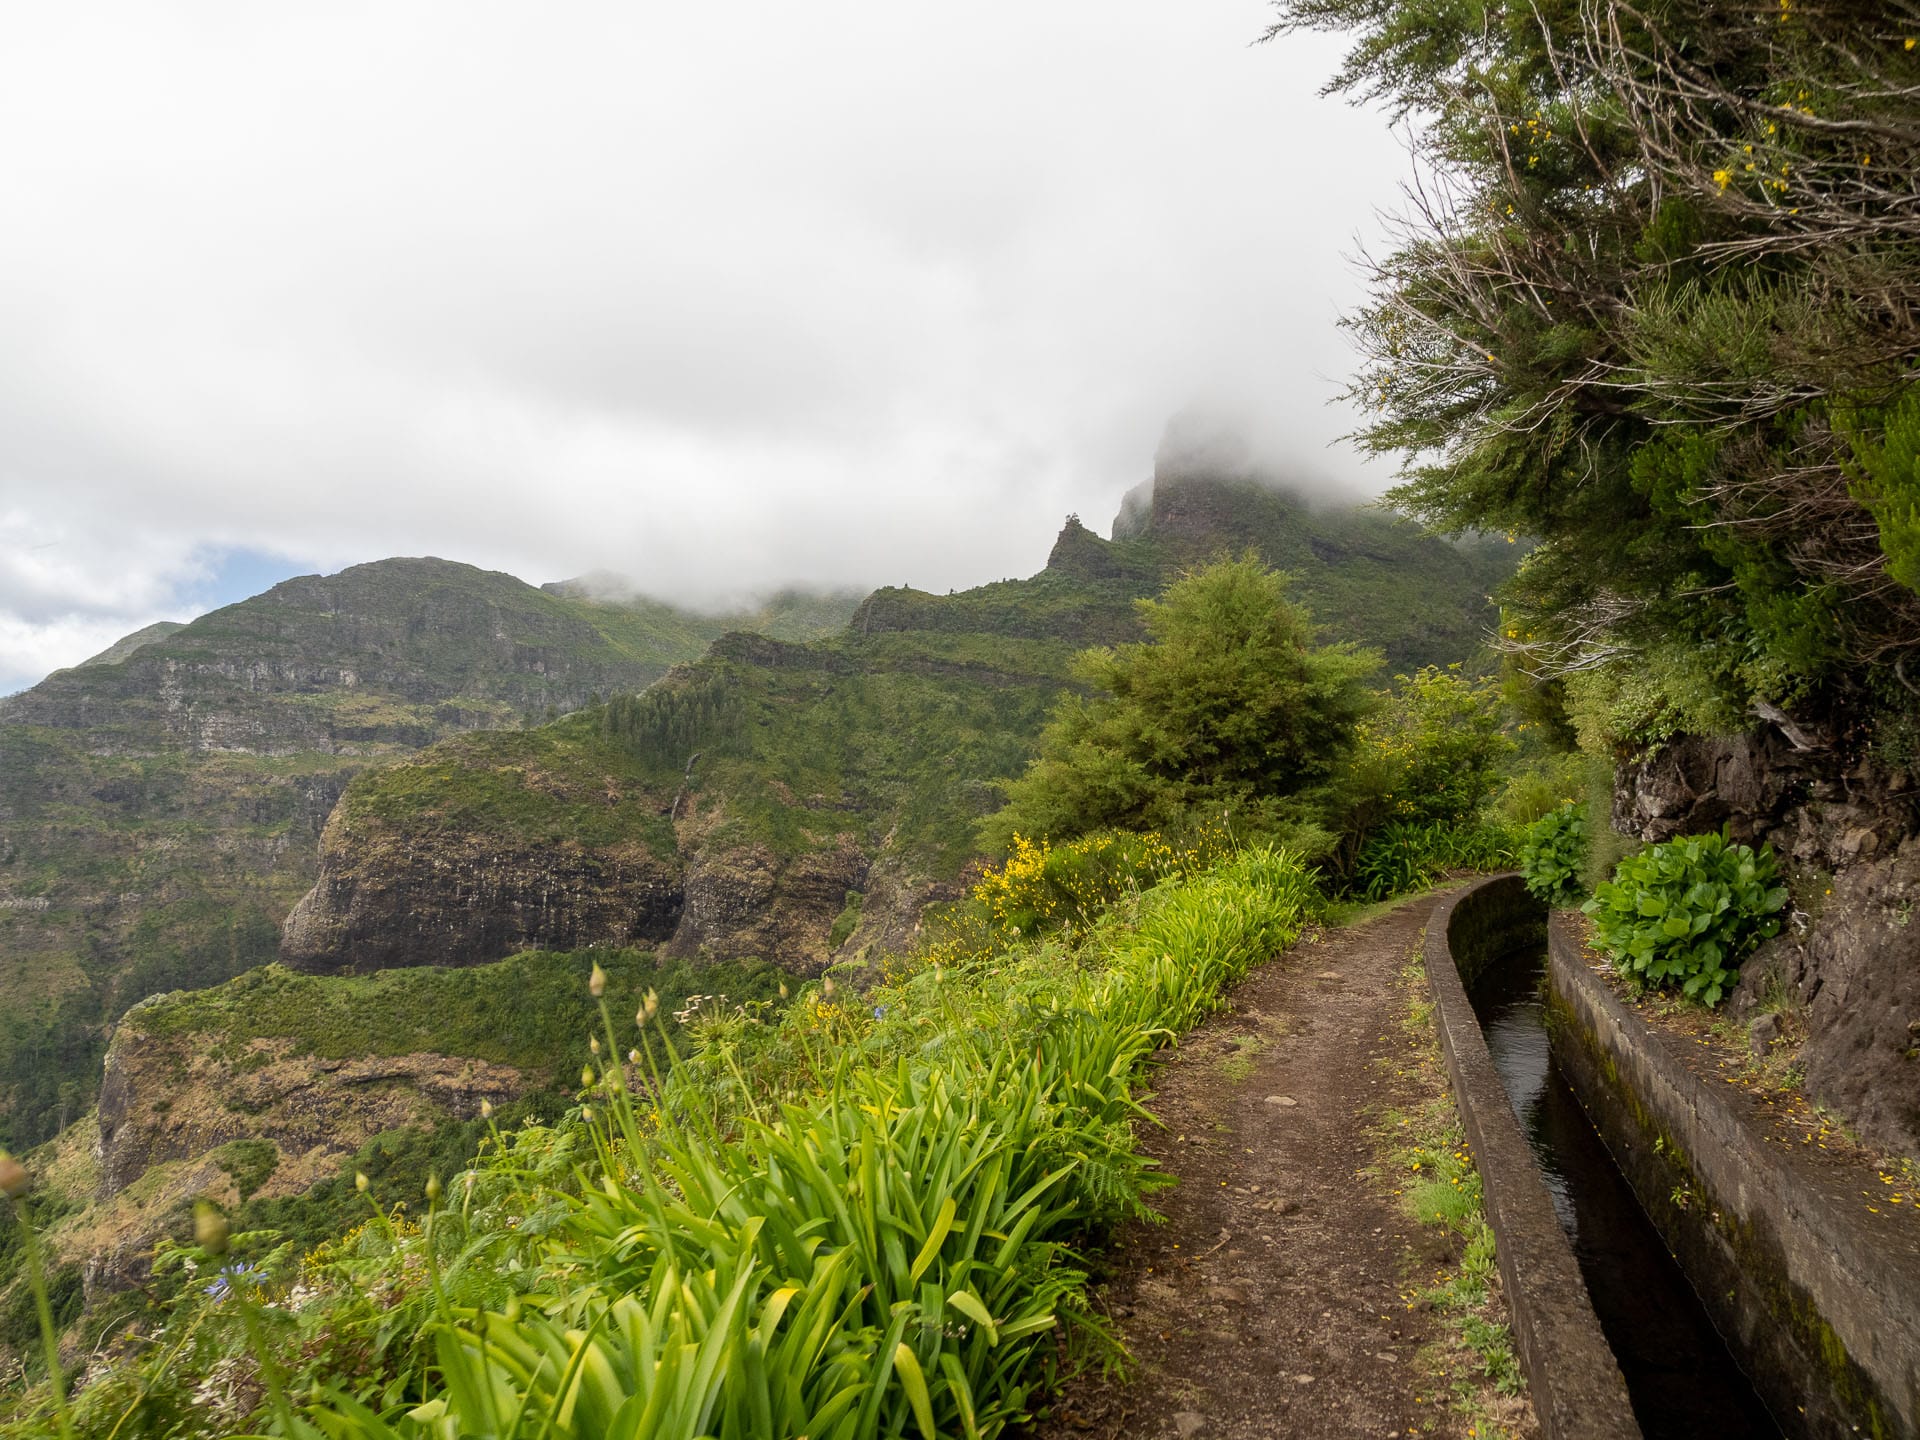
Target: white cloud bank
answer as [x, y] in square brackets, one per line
[711, 296]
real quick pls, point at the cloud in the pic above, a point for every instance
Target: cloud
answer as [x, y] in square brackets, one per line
[712, 296]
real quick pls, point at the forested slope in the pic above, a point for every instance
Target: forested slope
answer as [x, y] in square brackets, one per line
[159, 805]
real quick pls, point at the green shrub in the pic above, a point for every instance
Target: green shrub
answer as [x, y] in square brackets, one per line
[1396, 858]
[847, 921]
[1606, 846]
[1432, 753]
[1552, 852]
[1229, 706]
[1404, 856]
[1042, 886]
[1545, 784]
[20, 1321]
[1684, 914]
[248, 1163]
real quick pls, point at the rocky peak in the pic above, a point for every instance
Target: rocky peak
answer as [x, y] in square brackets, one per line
[1084, 555]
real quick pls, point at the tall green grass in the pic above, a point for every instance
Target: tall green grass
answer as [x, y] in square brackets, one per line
[890, 1254]
[860, 1215]
[1405, 856]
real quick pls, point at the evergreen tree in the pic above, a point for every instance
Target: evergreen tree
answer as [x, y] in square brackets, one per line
[1229, 708]
[1658, 305]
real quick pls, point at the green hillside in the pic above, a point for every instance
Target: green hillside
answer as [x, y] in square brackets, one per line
[160, 805]
[800, 801]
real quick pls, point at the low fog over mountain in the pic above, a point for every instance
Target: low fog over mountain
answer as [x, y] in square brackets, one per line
[716, 299]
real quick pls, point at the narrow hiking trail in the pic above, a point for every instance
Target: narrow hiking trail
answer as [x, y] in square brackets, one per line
[1275, 1300]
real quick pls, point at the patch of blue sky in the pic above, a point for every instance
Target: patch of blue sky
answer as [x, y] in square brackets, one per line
[235, 573]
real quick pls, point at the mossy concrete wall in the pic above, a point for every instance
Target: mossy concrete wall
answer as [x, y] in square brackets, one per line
[1578, 1392]
[1819, 1297]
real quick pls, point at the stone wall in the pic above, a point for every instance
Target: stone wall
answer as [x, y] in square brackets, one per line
[1578, 1391]
[1847, 829]
[1819, 1297]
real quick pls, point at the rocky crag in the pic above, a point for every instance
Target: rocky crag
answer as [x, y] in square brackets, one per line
[1843, 814]
[803, 803]
[160, 805]
[268, 1092]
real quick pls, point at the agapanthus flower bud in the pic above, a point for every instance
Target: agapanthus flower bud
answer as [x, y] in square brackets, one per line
[433, 1188]
[486, 1109]
[209, 1228]
[360, 1181]
[826, 987]
[593, 1043]
[586, 1076]
[597, 982]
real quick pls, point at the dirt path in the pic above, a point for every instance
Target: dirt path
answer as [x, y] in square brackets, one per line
[1272, 1302]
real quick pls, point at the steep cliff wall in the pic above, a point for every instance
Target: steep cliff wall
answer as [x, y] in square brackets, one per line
[1847, 824]
[730, 812]
[274, 1083]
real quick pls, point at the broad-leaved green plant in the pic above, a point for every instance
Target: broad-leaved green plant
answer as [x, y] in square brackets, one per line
[1683, 915]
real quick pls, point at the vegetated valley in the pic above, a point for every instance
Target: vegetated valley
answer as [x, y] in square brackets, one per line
[697, 849]
[444, 1007]
[159, 805]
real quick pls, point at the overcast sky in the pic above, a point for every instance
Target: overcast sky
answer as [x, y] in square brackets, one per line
[715, 296]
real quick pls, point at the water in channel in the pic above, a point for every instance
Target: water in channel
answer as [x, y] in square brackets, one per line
[1683, 1383]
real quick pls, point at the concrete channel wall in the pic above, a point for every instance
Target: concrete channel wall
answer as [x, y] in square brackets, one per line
[1819, 1297]
[1577, 1389]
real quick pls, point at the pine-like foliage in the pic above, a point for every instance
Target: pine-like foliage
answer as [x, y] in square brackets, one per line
[1228, 709]
[1658, 305]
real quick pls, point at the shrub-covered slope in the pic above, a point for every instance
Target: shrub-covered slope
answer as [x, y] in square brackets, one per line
[159, 805]
[790, 801]
[860, 1214]
[268, 1091]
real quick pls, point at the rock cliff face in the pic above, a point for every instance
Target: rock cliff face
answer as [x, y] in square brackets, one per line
[180, 1097]
[813, 798]
[747, 901]
[172, 1104]
[473, 900]
[161, 804]
[1849, 959]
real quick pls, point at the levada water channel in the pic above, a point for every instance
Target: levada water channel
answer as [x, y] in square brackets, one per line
[1681, 1379]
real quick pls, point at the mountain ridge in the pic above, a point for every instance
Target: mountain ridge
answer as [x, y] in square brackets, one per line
[160, 805]
[761, 795]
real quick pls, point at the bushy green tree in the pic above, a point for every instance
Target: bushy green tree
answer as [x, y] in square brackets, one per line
[1432, 752]
[1654, 306]
[1413, 790]
[1229, 706]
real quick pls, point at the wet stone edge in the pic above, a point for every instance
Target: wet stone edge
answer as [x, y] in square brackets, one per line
[1577, 1389]
[1820, 1304]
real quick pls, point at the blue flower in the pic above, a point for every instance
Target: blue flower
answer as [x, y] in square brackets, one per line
[231, 1279]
